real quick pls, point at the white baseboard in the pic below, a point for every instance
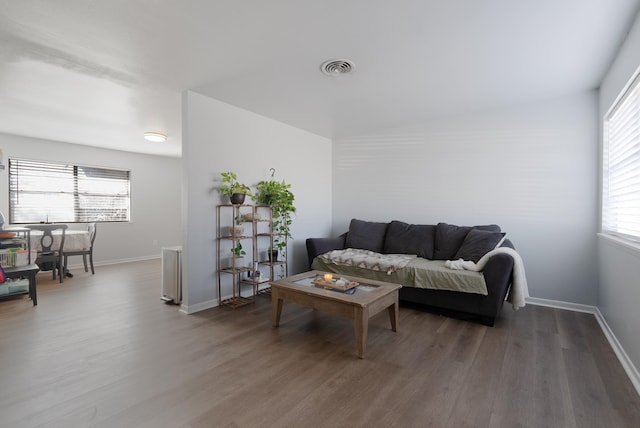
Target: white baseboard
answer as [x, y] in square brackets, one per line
[192, 309]
[624, 359]
[79, 264]
[576, 307]
[626, 362]
[119, 261]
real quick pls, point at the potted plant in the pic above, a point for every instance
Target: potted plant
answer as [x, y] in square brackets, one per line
[278, 195]
[272, 254]
[233, 189]
[238, 228]
[238, 255]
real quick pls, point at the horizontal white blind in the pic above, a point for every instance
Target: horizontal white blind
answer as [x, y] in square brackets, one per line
[621, 163]
[56, 192]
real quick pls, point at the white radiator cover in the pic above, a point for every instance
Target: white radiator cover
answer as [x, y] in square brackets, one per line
[171, 278]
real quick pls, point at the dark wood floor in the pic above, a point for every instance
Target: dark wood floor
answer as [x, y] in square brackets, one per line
[104, 351]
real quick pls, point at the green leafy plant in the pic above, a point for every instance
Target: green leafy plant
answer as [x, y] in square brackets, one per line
[278, 195]
[238, 251]
[230, 185]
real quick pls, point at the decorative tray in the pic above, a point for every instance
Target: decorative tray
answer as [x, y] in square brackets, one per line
[343, 285]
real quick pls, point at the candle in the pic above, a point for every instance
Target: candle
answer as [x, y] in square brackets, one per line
[328, 277]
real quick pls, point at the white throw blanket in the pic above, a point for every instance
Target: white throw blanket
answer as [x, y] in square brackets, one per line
[519, 288]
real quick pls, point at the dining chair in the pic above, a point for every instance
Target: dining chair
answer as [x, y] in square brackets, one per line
[92, 229]
[51, 248]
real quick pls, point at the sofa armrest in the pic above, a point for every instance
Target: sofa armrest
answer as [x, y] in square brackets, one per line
[497, 275]
[498, 271]
[317, 246]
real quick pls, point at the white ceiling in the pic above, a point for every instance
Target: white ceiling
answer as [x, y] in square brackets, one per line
[102, 72]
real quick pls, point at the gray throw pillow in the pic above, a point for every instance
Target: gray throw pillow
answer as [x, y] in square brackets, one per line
[477, 243]
[366, 235]
[449, 238]
[404, 238]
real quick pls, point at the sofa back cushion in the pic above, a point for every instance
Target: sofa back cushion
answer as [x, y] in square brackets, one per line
[404, 238]
[477, 243]
[449, 239]
[366, 235]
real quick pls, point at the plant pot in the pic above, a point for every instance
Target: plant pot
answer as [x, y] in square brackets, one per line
[237, 198]
[236, 230]
[273, 255]
[238, 262]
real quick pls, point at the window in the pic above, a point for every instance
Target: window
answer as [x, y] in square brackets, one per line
[57, 192]
[621, 165]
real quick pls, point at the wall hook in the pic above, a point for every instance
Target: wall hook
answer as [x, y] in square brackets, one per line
[273, 171]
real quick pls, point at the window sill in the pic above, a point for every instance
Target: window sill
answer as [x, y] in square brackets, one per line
[625, 244]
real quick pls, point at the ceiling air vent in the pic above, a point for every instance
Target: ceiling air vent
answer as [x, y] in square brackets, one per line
[337, 67]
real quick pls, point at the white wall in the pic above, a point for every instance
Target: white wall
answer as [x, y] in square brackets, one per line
[530, 169]
[619, 265]
[155, 196]
[219, 137]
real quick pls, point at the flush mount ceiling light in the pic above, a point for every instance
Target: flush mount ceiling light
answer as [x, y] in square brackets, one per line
[155, 137]
[337, 67]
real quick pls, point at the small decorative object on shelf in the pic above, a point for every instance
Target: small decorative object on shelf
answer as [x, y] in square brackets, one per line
[255, 274]
[237, 229]
[327, 281]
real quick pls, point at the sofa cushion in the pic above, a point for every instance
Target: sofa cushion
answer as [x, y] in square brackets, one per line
[477, 243]
[449, 238]
[366, 235]
[404, 238]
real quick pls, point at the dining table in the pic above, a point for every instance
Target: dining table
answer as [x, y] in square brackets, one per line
[74, 240]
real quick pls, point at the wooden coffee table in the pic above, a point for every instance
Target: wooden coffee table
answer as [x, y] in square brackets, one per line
[369, 298]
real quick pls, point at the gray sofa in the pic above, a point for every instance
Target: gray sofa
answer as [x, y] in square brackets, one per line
[431, 242]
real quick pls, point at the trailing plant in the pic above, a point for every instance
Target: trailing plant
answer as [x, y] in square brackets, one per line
[278, 195]
[230, 185]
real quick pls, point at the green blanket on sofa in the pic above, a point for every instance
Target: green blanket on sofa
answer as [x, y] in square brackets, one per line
[409, 271]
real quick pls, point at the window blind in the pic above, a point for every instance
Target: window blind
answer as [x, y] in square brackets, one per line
[621, 166]
[57, 192]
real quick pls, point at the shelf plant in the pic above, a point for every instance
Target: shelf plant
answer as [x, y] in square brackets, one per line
[238, 255]
[233, 189]
[238, 251]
